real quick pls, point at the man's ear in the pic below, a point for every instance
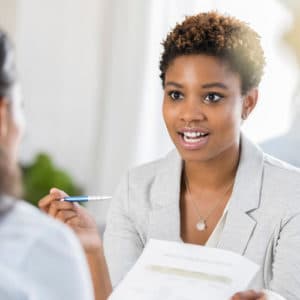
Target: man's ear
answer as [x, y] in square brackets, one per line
[249, 102]
[3, 117]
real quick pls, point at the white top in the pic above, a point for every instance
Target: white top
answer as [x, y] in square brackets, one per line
[214, 238]
[40, 258]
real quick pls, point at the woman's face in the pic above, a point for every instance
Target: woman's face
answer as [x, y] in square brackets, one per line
[203, 107]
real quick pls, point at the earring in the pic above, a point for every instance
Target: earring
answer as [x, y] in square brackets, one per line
[244, 116]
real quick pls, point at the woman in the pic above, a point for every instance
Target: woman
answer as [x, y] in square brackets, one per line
[39, 258]
[217, 189]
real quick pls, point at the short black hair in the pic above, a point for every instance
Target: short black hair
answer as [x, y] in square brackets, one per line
[222, 36]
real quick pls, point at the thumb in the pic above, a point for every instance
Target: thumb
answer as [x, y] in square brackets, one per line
[57, 193]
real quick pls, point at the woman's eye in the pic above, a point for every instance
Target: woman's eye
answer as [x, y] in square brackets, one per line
[175, 95]
[213, 97]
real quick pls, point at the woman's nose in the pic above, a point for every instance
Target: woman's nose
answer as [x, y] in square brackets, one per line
[192, 110]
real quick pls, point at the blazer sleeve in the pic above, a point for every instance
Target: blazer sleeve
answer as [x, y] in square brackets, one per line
[286, 264]
[122, 243]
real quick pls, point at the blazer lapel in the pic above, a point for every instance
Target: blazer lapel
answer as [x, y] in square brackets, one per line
[164, 221]
[237, 231]
[245, 198]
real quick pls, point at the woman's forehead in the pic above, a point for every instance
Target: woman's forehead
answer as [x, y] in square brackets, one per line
[200, 68]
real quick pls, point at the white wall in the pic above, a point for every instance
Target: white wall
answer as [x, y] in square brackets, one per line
[59, 52]
[270, 18]
[8, 17]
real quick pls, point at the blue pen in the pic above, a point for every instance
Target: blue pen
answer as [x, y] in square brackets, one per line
[85, 198]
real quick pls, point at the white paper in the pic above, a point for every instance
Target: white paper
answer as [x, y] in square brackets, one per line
[173, 270]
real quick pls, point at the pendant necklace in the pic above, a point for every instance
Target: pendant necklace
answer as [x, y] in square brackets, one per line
[201, 225]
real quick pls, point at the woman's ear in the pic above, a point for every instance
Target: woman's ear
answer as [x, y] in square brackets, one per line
[249, 102]
[3, 118]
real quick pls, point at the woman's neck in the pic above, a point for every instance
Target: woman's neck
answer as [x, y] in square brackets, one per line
[213, 174]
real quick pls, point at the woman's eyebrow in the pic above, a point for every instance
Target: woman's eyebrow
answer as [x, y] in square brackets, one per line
[204, 86]
[214, 84]
[172, 83]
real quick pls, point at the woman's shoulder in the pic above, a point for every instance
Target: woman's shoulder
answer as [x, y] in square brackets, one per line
[153, 168]
[282, 181]
[279, 168]
[140, 183]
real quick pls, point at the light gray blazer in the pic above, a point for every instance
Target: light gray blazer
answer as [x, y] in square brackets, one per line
[263, 220]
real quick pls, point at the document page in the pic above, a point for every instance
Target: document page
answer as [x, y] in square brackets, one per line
[172, 270]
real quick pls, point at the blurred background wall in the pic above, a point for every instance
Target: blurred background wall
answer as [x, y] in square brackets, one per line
[90, 79]
[8, 16]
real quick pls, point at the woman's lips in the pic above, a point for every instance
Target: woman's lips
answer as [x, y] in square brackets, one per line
[193, 140]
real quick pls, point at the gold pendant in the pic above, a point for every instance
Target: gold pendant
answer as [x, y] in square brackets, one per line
[201, 225]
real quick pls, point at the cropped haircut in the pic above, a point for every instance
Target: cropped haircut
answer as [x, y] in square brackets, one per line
[220, 36]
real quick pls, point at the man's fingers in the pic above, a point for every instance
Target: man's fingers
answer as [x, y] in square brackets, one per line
[58, 193]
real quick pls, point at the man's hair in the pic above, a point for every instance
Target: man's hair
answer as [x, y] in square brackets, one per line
[221, 36]
[8, 75]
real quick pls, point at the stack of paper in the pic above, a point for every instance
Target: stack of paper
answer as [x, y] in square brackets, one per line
[172, 270]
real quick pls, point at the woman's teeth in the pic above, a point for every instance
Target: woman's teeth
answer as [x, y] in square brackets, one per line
[193, 137]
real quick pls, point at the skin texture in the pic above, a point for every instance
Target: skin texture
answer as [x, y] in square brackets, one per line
[11, 132]
[12, 127]
[215, 109]
[16, 122]
[249, 295]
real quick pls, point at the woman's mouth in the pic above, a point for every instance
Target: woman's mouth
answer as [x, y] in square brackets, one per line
[193, 139]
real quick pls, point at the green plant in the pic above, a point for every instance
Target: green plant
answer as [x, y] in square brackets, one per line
[42, 175]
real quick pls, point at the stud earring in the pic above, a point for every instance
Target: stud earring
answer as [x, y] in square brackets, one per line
[244, 116]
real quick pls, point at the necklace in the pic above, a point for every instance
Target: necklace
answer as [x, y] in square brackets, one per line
[201, 225]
